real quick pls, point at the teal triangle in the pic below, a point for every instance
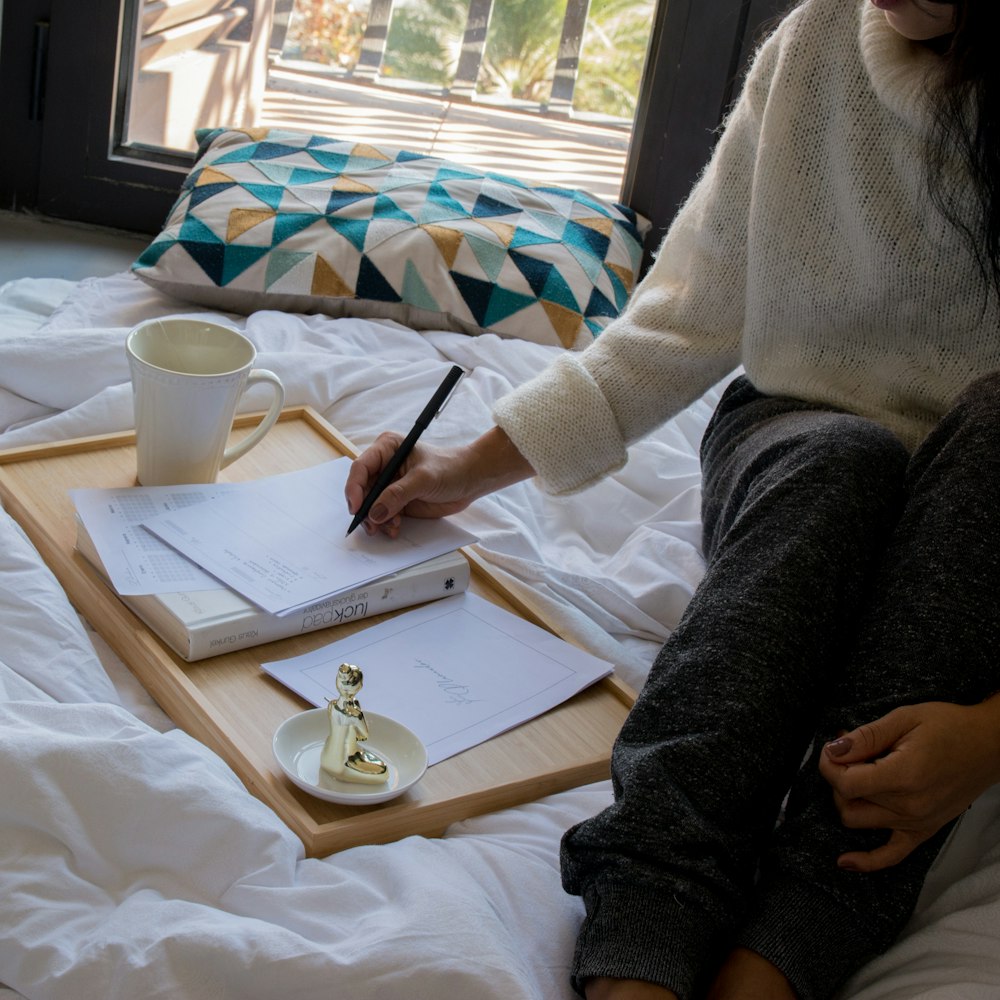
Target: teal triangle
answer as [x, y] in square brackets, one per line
[237, 259]
[269, 194]
[558, 291]
[449, 172]
[355, 231]
[415, 292]
[486, 301]
[571, 195]
[599, 305]
[508, 181]
[488, 253]
[617, 287]
[356, 162]
[406, 156]
[399, 178]
[304, 175]
[280, 262]
[635, 251]
[432, 211]
[193, 230]
[504, 303]
[592, 266]
[206, 136]
[441, 198]
[242, 154]
[153, 253]
[386, 208]
[277, 173]
[330, 160]
[527, 238]
[548, 222]
[582, 198]
[583, 236]
[288, 224]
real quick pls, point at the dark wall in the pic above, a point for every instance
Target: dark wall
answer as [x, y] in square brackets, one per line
[23, 27]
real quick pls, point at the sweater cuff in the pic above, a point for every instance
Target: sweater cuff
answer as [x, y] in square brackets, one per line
[631, 932]
[562, 424]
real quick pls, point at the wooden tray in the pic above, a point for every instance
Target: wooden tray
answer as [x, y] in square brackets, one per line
[232, 706]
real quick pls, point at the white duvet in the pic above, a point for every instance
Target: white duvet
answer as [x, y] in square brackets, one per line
[134, 864]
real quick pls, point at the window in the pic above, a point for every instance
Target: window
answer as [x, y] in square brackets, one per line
[87, 151]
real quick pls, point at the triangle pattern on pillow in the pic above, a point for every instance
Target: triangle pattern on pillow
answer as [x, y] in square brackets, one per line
[316, 218]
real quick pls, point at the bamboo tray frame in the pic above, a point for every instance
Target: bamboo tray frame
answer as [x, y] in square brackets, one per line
[231, 705]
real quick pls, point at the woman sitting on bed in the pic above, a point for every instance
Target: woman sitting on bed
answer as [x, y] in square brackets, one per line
[843, 245]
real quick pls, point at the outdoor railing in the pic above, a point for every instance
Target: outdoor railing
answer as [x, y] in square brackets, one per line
[465, 83]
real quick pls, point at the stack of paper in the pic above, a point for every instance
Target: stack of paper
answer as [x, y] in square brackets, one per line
[274, 548]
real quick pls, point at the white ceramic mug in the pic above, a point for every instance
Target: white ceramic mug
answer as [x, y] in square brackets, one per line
[187, 378]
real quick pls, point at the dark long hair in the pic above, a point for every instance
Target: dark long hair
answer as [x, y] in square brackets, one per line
[967, 120]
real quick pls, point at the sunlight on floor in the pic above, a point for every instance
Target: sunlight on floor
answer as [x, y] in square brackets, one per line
[533, 148]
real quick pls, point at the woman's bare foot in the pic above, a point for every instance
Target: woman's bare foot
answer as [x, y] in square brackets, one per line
[745, 975]
[603, 988]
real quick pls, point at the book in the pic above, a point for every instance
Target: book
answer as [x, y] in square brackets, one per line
[198, 624]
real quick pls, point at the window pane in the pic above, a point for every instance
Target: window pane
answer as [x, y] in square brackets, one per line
[540, 89]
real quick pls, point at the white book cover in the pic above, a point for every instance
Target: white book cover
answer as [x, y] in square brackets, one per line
[201, 623]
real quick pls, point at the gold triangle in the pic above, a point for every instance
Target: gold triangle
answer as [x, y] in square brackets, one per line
[255, 134]
[601, 223]
[625, 274]
[345, 182]
[326, 281]
[369, 152]
[565, 322]
[242, 219]
[448, 242]
[504, 231]
[212, 176]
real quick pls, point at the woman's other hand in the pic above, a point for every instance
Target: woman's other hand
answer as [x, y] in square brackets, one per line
[433, 482]
[910, 772]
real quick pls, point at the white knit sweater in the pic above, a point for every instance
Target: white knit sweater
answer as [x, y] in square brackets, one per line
[809, 251]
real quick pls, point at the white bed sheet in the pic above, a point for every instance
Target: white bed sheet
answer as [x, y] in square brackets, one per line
[134, 864]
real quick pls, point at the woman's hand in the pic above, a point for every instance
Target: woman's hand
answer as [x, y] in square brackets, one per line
[910, 772]
[433, 482]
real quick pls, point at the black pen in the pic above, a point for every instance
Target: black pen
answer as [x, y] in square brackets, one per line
[430, 411]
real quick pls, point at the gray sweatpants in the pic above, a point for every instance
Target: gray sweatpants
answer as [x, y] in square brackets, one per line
[844, 578]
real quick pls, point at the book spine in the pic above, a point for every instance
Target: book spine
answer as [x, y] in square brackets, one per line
[364, 602]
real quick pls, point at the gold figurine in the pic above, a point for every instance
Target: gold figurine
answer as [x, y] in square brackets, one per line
[341, 757]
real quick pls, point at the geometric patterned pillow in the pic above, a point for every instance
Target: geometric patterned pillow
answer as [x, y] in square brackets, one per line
[275, 219]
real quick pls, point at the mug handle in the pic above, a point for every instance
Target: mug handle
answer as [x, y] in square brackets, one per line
[258, 375]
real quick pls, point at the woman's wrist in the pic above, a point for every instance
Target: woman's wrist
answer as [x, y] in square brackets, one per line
[495, 462]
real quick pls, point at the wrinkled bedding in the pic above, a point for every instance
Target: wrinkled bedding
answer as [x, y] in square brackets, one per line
[134, 864]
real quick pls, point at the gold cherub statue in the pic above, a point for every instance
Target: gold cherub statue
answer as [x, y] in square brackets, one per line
[341, 757]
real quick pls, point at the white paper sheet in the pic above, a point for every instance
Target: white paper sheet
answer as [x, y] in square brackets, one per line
[456, 673]
[136, 561]
[281, 541]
